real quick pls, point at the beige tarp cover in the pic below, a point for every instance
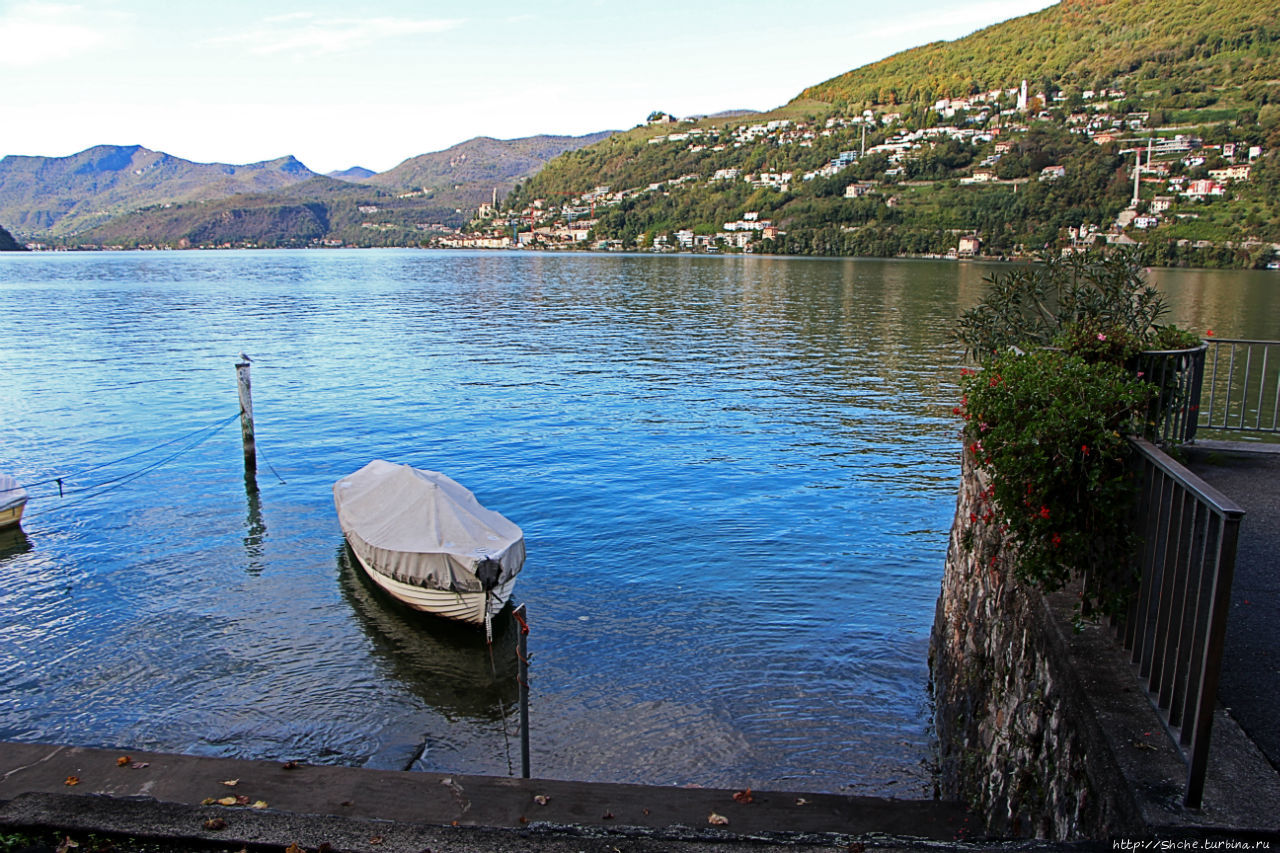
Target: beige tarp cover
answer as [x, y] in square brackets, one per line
[422, 528]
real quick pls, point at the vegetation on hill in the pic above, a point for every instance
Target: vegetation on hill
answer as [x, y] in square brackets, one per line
[49, 197]
[7, 243]
[130, 196]
[1192, 46]
[908, 155]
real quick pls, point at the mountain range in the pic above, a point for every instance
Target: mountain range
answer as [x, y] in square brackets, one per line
[130, 195]
[928, 123]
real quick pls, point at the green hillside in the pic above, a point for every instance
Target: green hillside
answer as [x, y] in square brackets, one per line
[907, 155]
[1194, 45]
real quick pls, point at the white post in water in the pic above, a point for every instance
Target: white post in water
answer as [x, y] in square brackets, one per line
[246, 416]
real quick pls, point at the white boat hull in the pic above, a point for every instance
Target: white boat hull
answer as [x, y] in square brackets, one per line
[468, 607]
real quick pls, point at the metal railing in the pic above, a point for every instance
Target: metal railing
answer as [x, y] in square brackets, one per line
[1178, 377]
[1176, 625]
[1241, 386]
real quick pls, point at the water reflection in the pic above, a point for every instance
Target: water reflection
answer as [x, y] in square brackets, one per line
[13, 541]
[735, 475]
[448, 666]
[255, 526]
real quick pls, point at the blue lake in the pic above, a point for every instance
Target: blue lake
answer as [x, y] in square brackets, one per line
[735, 476]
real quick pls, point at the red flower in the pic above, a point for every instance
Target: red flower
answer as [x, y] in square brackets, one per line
[1208, 333]
[1084, 448]
[1057, 540]
[1044, 511]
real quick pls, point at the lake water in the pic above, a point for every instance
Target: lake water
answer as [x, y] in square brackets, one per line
[735, 476]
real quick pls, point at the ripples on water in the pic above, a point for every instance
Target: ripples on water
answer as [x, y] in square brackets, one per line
[735, 476]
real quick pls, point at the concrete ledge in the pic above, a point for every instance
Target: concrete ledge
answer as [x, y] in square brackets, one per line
[1242, 790]
[158, 795]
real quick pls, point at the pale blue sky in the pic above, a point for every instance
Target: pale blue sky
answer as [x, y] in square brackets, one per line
[339, 84]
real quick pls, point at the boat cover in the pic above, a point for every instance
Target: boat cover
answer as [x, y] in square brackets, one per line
[423, 528]
[11, 494]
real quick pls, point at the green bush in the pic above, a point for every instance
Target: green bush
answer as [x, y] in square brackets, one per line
[1050, 429]
[1048, 417]
[1076, 296]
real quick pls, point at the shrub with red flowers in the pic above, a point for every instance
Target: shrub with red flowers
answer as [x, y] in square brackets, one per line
[1049, 429]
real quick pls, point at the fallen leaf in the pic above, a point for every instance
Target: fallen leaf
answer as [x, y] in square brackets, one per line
[208, 801]
[294, 848]
[524, 819]
[67, 844]
[646, 812]
[242, 800]
[227, 801]
[259, 804]
[290, 765]
[214, 824]
[123, 760]
[717, 819]
[231, 783]
[541, 799]
[138, 765]
[377, 839]
[743, 796]
[72, 780]
[801, 801]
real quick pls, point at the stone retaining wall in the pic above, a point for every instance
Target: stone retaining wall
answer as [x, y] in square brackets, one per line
[1014, 740]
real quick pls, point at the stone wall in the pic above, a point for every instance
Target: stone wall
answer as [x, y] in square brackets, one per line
[1016, 742]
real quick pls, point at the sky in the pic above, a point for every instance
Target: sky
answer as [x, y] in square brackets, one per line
[341, 84]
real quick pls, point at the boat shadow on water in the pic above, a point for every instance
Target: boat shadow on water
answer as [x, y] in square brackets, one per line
[13, 541]
[445, 663]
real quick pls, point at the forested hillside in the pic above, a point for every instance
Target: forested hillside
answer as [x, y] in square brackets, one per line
[1149, 121]
[1193, 45]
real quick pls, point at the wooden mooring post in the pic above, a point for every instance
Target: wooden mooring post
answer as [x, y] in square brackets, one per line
[246, 417]
[522, 655]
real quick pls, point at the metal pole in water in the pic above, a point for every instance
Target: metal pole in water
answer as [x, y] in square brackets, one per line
[522, 655]
[246, 416]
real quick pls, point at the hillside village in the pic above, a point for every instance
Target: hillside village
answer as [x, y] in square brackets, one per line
[889, 158]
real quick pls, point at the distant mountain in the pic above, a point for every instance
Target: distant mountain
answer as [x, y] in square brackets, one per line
[467, 174]
[403, 206]
[7, 243]
[355, 173]
[50, 197]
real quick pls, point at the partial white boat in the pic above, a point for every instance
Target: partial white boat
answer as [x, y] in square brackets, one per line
[426, 540]
[13, 499]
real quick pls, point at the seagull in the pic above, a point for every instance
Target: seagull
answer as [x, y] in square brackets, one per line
[245, 358]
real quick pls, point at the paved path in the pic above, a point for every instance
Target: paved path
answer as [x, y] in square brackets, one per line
[1250, 685]
[174, 796]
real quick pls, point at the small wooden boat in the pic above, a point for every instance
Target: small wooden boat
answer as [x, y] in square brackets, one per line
[13, 499]
[426, 540]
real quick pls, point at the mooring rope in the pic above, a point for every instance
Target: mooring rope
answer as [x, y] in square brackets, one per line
[194, 439]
